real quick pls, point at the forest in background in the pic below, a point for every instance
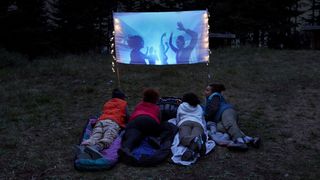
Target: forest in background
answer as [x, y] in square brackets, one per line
[48, 27]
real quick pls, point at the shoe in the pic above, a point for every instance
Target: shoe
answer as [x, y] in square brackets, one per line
[203, 148]
[256, 142]
[236, 146]
[188, 155]
[80, 154]
[123, 151]
[125, 155]
[93, 152]
[79, 149]
[84, 155]
[199, 144]
[154, 142]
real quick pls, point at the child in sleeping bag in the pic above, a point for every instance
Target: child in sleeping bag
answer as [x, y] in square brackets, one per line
[144, 121]
[192, 125]
[106, 129]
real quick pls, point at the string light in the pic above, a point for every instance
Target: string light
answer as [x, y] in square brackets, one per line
[117, 27]
[206, 58]
[113, 66]
[205, 15]
[206, 45]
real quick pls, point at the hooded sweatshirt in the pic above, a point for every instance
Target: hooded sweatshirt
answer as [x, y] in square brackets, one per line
[186, 112]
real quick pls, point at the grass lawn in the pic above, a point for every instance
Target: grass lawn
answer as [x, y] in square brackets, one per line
[44, 105]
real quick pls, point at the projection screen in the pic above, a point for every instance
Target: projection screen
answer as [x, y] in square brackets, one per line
[161, 38]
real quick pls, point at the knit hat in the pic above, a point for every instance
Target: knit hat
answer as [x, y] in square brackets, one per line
[117, 93]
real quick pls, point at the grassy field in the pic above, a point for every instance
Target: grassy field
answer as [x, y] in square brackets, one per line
[44, 105]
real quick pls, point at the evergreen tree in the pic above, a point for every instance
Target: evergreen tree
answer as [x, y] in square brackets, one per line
[78, 25]
[85, 25]
[50, 14]
[8, 13]
[24, 29]
[251, 20]
[314, 16]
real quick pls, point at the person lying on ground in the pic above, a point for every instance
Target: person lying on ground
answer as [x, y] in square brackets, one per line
[192, 125]
[107, 127]
[221, 116]
[144, 121]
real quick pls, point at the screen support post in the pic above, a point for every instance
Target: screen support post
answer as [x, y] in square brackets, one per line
[118, 75]
[208, 70]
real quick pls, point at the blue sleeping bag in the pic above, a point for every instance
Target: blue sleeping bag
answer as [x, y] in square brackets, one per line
[152, 150]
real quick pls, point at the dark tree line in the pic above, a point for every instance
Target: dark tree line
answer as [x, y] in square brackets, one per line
[54, 26]
[314, 17]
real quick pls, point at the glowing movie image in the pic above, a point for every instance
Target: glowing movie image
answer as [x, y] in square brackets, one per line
[161, 38]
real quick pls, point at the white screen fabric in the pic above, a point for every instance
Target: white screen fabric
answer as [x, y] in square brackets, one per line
[161, 38]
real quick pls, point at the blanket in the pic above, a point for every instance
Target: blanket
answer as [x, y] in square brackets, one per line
[178, 150]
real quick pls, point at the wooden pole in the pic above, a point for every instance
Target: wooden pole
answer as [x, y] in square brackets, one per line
[118, 75]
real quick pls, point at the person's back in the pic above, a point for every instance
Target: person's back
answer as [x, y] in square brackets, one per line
[191, 126]
[115, 109]
[146, 109]
[108, 125]
[214, 113]
[188, 112]
[144, 121]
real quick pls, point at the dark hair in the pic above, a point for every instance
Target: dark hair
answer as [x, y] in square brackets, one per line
[134, 41]
[150, 95]
[117, 93]
[217, 87]
[191, 99]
